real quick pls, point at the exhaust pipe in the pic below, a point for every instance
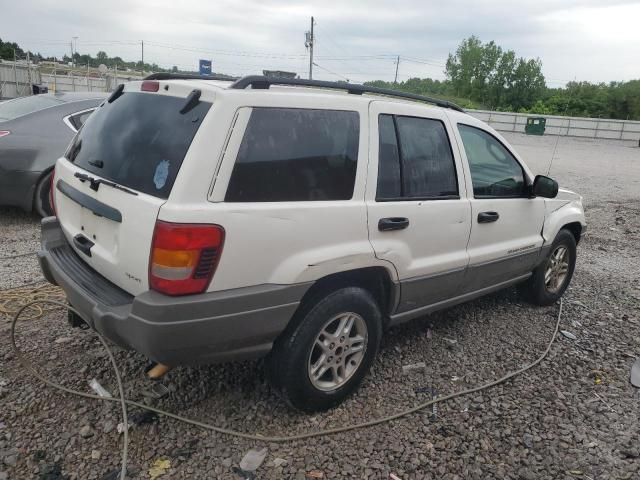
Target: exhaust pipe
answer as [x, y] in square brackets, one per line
[155, 371]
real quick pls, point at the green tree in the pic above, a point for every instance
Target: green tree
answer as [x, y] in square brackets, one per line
[486, 73]
[7, 50]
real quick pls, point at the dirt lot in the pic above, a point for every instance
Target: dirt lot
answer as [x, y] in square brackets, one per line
[574, 416]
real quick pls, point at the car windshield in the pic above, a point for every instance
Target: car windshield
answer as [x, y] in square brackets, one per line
[25, 105]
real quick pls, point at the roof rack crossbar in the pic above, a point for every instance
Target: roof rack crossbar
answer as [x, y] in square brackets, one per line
[187, 76]
[261, 82]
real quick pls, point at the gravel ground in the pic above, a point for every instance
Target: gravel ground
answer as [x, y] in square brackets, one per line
[574, 416]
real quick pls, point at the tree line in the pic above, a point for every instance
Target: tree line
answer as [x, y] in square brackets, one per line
[11, 50]
[484, 75]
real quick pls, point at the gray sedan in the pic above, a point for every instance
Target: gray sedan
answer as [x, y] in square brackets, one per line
[34, 132]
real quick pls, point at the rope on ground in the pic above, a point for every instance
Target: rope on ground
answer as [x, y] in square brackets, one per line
[17, 256]
[13, 299]
[26, 363]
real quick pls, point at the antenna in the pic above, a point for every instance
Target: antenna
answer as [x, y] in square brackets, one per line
[566, 108]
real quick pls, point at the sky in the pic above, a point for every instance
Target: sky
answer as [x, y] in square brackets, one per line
[358, 40]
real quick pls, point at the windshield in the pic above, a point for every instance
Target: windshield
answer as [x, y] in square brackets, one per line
[25, 105]
[138, 141]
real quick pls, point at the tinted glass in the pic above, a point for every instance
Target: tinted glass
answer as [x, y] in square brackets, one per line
[25, 105]
[296, 154]
[140, 140]
[428, 169]
[388, 160]
[494, 171]
[78, 120]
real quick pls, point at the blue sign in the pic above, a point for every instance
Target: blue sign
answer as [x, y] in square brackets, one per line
[205, 67]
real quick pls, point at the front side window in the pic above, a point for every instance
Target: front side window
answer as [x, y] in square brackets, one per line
[415, 159]
[495, 173]
[290, 154]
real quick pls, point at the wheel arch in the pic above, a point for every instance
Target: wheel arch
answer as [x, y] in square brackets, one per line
[575, 228]
[377, 280]
[570, 216]
[38, 182]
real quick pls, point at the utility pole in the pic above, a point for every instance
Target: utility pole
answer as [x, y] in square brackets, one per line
[73, 61]
[15, 70]
[395, 80]
[29, 69]
[142, 47]
[309, 44]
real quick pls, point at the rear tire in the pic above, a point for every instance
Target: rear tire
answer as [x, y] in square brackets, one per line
[41, 199]
[323, 357]
[552, 277]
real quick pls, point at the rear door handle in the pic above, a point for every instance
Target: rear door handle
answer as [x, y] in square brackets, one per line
[393, 223]
[83, 244]
[488, 217]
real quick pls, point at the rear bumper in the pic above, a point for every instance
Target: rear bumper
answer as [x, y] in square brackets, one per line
[207, 328]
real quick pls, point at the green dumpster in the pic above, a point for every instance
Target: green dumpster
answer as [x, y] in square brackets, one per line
[535, 126]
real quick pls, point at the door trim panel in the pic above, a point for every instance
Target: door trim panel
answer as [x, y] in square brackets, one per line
[500, 270]
[424, 290]
[419, 312]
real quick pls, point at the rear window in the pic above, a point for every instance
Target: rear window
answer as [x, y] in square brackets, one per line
[26, 105]
[290, 154]
[138, 141]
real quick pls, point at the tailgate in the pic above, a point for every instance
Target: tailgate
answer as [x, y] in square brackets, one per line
[117, 173]
[117, 226]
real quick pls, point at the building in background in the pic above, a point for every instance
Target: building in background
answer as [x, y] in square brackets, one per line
[279, 74]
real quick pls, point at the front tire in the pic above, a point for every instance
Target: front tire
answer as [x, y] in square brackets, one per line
[324, 357]
[552, 277]
[41, 199]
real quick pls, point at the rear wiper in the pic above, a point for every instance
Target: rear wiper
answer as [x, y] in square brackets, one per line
[116, 186]
[96, 182]
[192, 100]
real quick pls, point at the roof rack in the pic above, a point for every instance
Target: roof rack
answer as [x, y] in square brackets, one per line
[187, 76]
[261, 82]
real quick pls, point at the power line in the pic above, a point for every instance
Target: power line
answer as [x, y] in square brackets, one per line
[333, 73]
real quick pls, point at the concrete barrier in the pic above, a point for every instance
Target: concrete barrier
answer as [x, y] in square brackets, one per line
[603, 128]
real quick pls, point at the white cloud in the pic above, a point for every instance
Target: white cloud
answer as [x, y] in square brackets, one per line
[587, 39]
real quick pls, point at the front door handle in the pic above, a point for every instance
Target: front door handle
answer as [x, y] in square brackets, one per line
[393, 223]
[488, 217]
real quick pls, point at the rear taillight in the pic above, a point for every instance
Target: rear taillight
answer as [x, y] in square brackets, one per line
[150, 86]
[4, 133]
[184, 257]
[52, 193]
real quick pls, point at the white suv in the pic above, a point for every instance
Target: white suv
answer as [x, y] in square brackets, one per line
[201, 221]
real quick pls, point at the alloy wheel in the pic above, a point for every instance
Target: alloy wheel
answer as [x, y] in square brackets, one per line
[337, 351]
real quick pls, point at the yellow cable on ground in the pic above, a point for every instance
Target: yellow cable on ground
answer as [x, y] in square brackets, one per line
[26, 363]
[12, 299]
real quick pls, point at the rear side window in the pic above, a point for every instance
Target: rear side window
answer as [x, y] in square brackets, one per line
[290, 154]
[26, 105]
[415, 160]
[138, 141]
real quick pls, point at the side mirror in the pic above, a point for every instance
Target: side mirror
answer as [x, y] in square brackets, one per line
[544, 187]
